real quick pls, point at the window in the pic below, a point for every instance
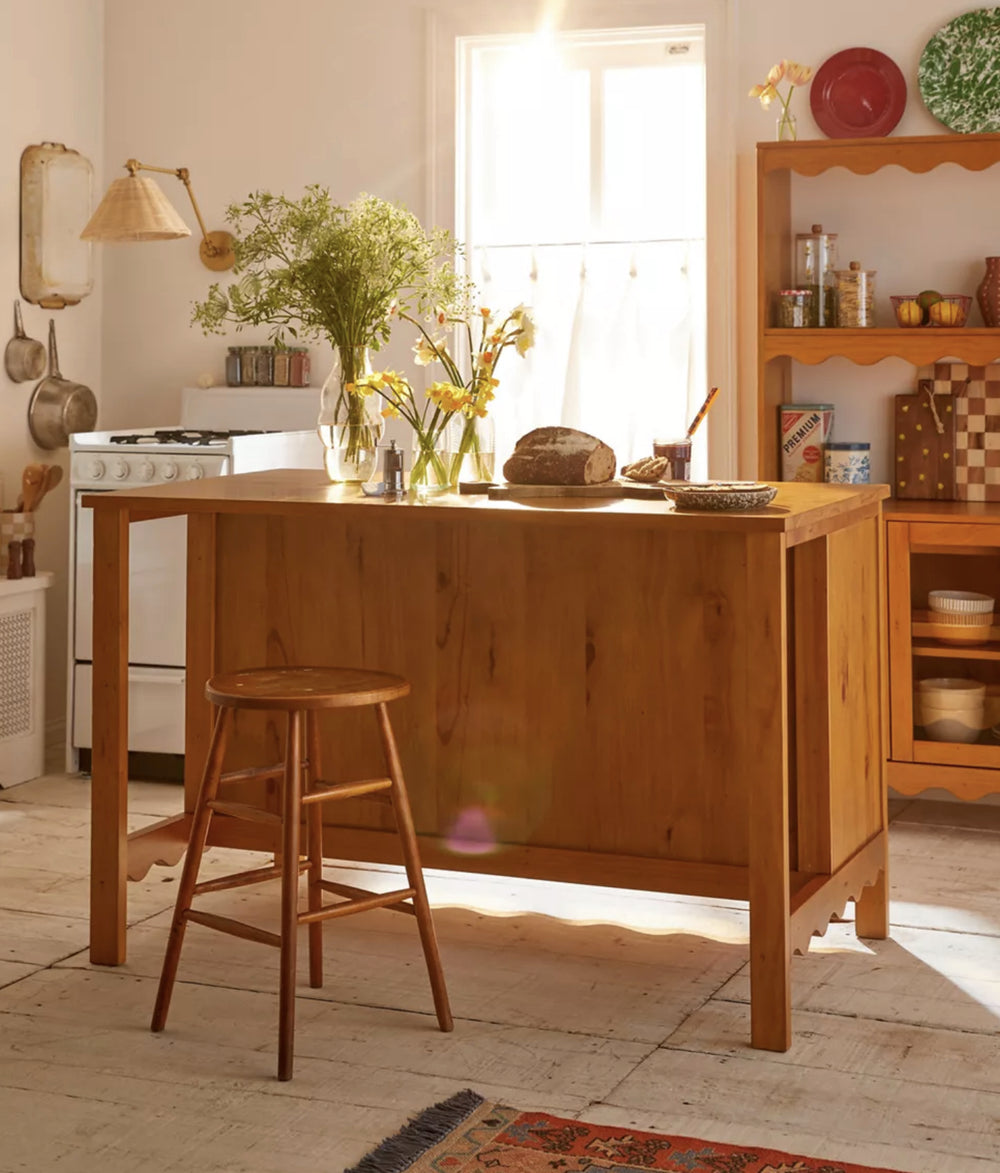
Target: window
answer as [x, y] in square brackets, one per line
[581, 191]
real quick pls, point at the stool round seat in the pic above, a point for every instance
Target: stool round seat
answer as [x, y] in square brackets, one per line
[304, 688]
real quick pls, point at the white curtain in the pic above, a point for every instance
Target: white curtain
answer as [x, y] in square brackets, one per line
[618, 346]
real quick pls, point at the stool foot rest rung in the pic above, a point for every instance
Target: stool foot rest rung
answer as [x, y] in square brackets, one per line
[243, 810]
[375, 900]
[253, 774]
[323, 791]
[235, 928]
[241, 879]
[347, 890]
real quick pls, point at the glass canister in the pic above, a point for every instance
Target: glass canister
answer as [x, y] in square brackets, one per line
[815, 269]
[855, 296]
[795, 308]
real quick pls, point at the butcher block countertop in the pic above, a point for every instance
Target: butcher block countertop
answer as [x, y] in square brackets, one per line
[800, 511]
[604, 690]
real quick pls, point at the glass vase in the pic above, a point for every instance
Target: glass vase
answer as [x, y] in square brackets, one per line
[786, 129]
[348, 424]
[471, 449]
[430, 464]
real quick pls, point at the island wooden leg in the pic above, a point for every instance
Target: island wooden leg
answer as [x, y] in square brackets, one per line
[109, 765]
[871, 910]
[766, 772]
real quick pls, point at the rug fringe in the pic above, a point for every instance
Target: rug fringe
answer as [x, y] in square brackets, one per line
[397, 1153]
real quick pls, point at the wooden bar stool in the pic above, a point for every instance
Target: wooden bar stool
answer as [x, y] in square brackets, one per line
[301, 693]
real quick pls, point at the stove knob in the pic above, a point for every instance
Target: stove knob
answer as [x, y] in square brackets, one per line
[168, 470]
[145, 470]
[119, 469]
[95, 470]
[193, 472]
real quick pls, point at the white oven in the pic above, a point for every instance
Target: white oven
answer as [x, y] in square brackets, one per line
[102, 462]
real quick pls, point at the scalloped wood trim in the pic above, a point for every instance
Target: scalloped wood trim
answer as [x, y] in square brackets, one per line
[966, 783]
[826, 897]
[162, 843]
[978, 345]
[864, 156]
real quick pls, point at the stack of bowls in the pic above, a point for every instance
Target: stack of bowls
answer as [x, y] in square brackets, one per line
[960, 617]
[951, 708]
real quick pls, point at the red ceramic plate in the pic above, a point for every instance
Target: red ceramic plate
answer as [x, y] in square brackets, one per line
[858, 93]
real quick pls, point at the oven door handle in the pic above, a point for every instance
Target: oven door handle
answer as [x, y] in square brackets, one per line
[154, 677]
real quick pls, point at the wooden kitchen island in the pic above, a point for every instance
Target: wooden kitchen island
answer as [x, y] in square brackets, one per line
[604, 691]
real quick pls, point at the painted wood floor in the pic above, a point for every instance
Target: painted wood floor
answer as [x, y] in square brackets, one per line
[617, 1008]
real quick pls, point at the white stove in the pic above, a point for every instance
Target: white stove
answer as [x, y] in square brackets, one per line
[103, 462]
[155, 456]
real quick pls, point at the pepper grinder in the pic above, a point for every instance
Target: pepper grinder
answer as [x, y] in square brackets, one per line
[28, 558]
[392, 473]
[14, 559]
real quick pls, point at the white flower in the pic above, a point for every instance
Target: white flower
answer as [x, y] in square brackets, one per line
[424, 352]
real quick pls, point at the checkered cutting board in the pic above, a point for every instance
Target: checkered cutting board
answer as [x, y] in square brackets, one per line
[976, 392]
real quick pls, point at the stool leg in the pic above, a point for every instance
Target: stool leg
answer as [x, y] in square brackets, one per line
[314, 829]
[290, 815]
[414, 874]
[192, 861]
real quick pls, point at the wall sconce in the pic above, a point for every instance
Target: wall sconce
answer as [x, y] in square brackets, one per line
[135, 208]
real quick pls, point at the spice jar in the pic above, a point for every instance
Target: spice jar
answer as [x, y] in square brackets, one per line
[265, 366]
[855, 296]
[233, 366]
[282, 367]
[299, 367]
[248, 366]
[795, 308]
[815, 269]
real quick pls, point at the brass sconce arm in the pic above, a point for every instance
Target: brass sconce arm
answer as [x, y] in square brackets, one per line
[135, 209]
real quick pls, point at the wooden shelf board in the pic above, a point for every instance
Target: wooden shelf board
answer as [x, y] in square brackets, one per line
[985, 753]
[940, 651]
[922, 344]
[863, 156]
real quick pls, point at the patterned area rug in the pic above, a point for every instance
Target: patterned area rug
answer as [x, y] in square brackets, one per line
[466, 1134]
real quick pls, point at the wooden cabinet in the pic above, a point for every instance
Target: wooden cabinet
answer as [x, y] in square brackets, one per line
[776, 348]
[939, 546]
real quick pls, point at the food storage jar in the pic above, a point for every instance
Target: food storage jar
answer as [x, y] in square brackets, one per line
[815, 270]
[855, 296]
[847, 463]
[795, 307]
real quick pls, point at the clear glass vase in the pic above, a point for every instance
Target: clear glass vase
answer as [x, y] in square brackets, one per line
[471, 449]
[430, 465]
[786, 129]
[349, 426]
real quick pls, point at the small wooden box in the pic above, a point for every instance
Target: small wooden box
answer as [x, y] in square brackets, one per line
[924, 429]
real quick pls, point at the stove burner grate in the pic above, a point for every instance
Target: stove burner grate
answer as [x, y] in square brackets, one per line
[193, 437]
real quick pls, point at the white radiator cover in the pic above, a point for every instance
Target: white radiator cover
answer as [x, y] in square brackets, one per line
[22, 683]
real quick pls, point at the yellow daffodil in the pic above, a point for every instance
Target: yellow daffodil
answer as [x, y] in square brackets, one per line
[426, 350]
[525, 339]
[390, 412]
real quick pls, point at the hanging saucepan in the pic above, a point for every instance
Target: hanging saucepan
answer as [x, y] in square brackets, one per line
[24, 357]
[58, 406]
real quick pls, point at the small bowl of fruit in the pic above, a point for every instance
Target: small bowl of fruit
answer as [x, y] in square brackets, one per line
[931, 308]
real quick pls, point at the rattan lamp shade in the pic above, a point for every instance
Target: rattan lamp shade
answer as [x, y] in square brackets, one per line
[135, 208]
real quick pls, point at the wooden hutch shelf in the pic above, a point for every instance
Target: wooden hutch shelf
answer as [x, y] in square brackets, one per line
[950, 544]
[776, 163]
[922, 344]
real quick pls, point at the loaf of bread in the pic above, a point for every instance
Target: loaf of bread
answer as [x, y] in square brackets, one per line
[560, 456]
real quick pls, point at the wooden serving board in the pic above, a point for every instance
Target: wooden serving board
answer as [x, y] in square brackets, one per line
[509, 492]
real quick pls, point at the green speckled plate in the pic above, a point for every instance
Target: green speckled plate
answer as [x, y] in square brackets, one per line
[959, 76]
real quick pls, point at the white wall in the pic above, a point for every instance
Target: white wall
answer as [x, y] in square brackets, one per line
[51, 88]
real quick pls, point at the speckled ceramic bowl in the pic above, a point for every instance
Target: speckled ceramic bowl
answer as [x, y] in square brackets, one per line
[720, 495]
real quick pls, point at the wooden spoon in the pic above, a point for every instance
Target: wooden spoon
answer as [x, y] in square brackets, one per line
[53, 475]
[31, 486]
